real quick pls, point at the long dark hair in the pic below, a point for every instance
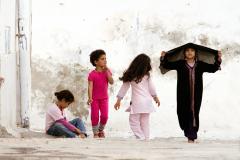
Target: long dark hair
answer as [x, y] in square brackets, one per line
[139, 67]
[66, 95]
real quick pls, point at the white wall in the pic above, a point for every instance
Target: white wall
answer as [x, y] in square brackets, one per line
[9, 102]
[65, 32]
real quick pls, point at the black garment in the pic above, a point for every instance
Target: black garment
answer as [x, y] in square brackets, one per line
[184, 111]
[191, 132]
[204, 54]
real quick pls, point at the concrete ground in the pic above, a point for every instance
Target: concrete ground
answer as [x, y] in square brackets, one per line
[47, 148]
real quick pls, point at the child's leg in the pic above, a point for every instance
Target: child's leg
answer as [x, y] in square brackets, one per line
[190, 132]
[134, 121]
[144, 120]
[95, 115]
[78, 123]
[103, 106]
[59, 130]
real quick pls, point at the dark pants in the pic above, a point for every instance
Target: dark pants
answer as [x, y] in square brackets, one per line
[59, 130]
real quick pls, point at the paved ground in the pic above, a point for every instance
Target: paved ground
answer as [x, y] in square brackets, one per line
[116, 149]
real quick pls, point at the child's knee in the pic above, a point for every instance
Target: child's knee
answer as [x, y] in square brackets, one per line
[94, 117]
[78, 120]
[59, 126]
[95, 120]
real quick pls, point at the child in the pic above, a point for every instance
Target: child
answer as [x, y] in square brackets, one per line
[189, 88]
[56, 122]
[98, 80]
[138, 77]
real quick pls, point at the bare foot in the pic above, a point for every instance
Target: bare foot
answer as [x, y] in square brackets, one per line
[190, 141]
[95, 135]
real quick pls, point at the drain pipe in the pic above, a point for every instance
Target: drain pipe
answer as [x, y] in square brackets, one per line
[24, 49]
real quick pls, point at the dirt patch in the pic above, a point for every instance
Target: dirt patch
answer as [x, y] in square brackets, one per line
[4, 133]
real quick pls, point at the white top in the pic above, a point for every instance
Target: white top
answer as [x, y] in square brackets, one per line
[142, 95]
[53, 114]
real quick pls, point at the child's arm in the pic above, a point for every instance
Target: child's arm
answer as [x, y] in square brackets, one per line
[117, 104]
[68, 125]
[166, 64]
[211, 68]
[153, 92]
[71, 127]
[156, 99]
[90, 88]
[1, 80]
[151, 87]
[122, 92]
[109, 75]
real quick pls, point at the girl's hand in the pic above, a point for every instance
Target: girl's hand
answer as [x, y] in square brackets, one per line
[105, 68]
[1, 80]
[78, 131]
[89, 101]
[82, 135]
[219, 56]
[117, 105]
[163, 53]
[157, 101]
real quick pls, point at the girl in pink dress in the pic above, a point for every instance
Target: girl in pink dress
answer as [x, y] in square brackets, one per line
[143, 91]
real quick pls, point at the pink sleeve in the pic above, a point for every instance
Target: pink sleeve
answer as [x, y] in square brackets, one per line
[151, 87]
[90, 76]
[67, 124]
[123, 90]
[55, 113]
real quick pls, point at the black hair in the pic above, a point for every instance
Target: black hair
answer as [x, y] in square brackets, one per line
[66, 95]
[139, 67]
[95, 55]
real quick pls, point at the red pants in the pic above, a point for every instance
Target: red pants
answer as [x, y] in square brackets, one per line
[100, 105]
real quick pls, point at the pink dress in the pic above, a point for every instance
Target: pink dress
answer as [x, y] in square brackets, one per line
[142, 95]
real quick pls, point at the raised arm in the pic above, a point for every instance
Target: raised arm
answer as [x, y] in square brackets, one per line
[211, 68]
[109, 77]
[108, 74]
[166, 64]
